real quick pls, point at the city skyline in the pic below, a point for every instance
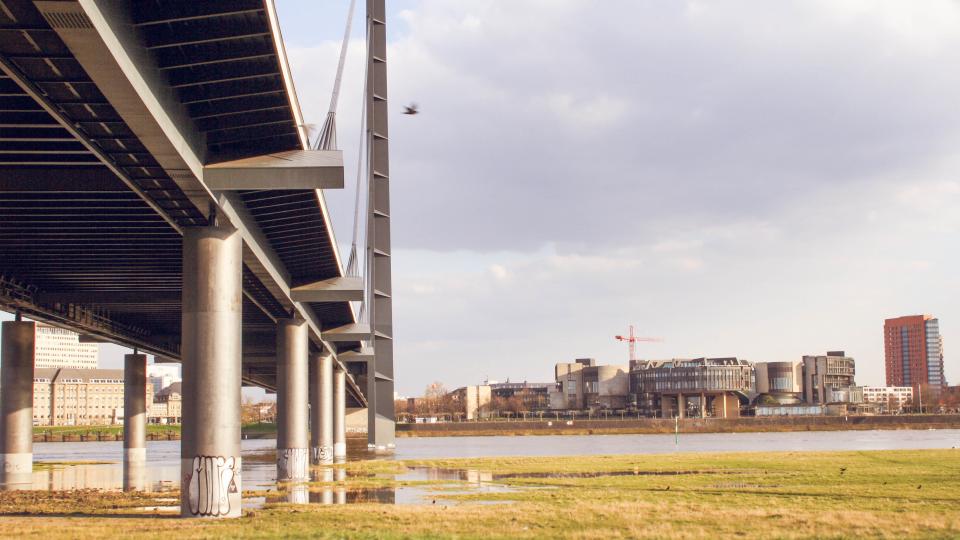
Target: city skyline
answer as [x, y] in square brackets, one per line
[110, 356]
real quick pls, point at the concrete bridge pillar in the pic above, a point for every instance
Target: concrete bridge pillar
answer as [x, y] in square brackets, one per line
[321, 428]
[211, 351]
[16, 403]
[293, 349]
[134, 422]
[339, 416]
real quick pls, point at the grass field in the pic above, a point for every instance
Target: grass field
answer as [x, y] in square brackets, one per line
[902, 494]
[158, 429]
[105, 430]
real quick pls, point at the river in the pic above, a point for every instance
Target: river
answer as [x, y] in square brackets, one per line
[259, 469]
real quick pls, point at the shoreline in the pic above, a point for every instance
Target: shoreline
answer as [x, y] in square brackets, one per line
[651, 426]
[519, 428]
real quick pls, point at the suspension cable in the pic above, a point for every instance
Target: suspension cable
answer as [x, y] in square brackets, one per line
[328, 133]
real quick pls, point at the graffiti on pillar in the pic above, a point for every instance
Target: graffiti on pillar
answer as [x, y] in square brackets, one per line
[211, 481]
[18, 465]
[292, 462]
[322, 454]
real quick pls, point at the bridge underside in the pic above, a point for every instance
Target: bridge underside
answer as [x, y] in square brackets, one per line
[95, 188]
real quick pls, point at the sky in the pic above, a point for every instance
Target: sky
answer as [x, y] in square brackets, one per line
[738, 178]
[755, 179]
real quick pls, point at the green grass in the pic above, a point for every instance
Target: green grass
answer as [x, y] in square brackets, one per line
[104, 430]
[888, 494]
[52, 465]
[263, 427]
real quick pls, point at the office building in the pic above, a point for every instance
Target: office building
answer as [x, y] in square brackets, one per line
[913, 351]
[478, 401]
[528, 396]
[167, 405]
[160, 376]
[697, 387]
[779, 383]
[79, 397]
[583, 384]
[845, 394]
[889, 398]
[824, 374]
[59, 348]
[473, 401]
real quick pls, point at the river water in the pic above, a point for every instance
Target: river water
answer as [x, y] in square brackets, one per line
[259, 468]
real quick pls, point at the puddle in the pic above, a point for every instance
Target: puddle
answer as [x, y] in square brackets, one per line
[103, 470]
[175, 509]
[440, 486]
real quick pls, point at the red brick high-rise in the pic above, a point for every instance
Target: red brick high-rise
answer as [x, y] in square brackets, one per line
[914, 352]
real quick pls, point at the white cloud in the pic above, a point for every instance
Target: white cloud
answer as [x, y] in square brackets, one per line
[500, 272]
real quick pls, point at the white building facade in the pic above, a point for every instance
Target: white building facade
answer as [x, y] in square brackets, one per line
[58, 349]
[161, 376]
[889, 397]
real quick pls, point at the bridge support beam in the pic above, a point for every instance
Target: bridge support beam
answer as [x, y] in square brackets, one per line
[16, 403]
[321, 422]
[339, 416]
[211, 354]
[381, 421]
[134, 422]
[292, 373]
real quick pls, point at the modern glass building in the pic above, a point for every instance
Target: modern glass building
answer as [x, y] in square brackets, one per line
[913, 350]
[824, 375]
[700, 386]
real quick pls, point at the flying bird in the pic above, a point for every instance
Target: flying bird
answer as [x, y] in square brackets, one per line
[412, 108]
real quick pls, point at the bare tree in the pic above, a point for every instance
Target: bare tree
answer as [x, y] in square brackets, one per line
[249, 411]
[892, 404]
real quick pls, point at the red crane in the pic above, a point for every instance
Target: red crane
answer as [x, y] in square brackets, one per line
[632, 339]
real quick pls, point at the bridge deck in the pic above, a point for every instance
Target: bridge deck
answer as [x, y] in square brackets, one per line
[91, 212]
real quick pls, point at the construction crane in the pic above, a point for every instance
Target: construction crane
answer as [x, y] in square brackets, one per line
[632, 339]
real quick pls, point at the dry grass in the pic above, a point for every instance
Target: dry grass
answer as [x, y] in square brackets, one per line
[913, 494]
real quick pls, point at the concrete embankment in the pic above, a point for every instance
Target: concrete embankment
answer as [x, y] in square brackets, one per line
[95, 436]
[690, 425]
[115, 433]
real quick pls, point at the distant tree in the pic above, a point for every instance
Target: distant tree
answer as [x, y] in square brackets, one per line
[950, 398]
[893, 405]
[435, 390]
[249, 411]
[907, 405]
[499, 405]
[514, 404]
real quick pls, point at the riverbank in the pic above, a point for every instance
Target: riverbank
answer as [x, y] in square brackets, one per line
[875, 494]
[553, 427]
[689, 425]
[155, 432]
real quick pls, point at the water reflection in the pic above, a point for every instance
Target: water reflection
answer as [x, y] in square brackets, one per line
[329, 494]
[104, 468]
[135, 476]
[108, 476]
